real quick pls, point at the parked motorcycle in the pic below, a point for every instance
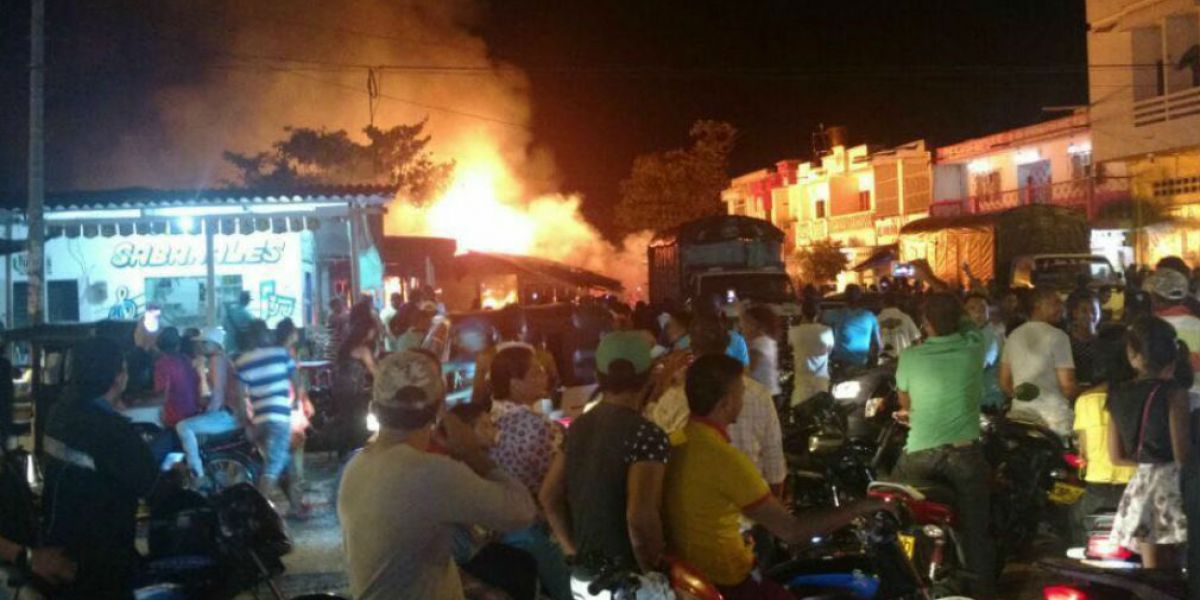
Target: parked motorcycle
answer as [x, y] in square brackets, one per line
[826, 466]
[229, 458]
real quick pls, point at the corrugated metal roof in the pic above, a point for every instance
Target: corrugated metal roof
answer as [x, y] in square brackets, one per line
[154, 198]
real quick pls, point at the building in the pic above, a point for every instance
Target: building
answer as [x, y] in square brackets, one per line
[1046, 163]
[1144, 87]
[110, 253]
[856, 196]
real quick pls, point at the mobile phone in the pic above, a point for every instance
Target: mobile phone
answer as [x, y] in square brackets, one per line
[902, 270]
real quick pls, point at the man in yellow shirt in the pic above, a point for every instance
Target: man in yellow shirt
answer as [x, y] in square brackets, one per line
[710, 485]
[1105, 482]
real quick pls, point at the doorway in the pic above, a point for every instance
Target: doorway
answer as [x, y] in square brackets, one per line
[1033, 179]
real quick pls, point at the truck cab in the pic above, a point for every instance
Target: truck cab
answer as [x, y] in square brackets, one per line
[771, 287]
[1063, 271]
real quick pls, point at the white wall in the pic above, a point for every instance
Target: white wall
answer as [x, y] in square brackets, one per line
[112, 271]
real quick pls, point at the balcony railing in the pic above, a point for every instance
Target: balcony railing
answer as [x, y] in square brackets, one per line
[1160, 109]
[1088, 195]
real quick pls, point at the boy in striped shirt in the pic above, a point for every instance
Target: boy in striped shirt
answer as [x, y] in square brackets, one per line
[266, 369]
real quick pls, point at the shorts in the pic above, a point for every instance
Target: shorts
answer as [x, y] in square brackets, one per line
[1151, 510]
[274, 440]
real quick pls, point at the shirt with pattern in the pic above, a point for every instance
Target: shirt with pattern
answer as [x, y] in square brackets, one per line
[526, 444]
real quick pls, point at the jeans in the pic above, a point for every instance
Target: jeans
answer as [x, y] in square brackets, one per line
[551, 564]
[209, 423]
[966, 471]
[275, 438]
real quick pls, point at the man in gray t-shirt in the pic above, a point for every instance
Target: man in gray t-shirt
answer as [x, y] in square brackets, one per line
[401, 499]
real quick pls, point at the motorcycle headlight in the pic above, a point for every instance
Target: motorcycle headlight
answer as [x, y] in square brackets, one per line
[874, 405]
[847, 390]
[372, 423]
[933, 532]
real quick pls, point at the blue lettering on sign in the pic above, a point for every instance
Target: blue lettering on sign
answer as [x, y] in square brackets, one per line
[137, 255]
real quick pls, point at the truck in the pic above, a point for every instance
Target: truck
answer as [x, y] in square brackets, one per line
[733, 257]
[1027, 246]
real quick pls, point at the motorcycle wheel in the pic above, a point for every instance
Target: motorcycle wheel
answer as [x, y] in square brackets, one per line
[227, 469]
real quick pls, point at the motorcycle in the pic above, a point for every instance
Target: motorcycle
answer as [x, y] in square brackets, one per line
[229, 458]
[826, 466]
[1103, 569]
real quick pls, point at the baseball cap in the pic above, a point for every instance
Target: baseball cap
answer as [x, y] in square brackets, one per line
[623, 345]
[213, 335]
[1168, 284]
[408, 369]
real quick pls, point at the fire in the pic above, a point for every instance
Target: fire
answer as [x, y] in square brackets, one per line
[484, 210]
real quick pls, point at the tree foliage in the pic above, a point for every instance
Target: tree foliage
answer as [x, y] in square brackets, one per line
[665, 189]
[822, 261]
[398, 156]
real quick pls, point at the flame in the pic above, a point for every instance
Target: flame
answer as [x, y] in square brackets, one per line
[484, 209]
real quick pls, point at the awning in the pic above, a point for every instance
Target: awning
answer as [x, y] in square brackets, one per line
[881, 257]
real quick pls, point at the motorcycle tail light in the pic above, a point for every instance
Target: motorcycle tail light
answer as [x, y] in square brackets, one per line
[1103, 547]
[1074, 460]
[1063, 592]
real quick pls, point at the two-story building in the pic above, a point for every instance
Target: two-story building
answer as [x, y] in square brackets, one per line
[1144, 87]
[1045, 163]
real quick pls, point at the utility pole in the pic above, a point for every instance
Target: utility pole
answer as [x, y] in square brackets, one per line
[36, 184]
[36, 236]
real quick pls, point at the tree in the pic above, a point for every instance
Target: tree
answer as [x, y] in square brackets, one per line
[665, 189]
[396, 156]
[822, 261]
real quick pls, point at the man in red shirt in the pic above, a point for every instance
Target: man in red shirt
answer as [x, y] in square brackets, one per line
[175, 380]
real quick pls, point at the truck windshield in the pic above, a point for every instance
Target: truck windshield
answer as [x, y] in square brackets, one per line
[768, 287]
[1065, 272]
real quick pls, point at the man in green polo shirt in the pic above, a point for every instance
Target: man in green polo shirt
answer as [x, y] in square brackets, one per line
[940, 384]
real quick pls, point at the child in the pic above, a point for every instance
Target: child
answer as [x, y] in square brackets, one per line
[1150, 428]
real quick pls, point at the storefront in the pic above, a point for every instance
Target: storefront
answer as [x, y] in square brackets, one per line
[110, 257]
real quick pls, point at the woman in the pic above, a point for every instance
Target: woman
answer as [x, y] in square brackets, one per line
[760, 326]
[354, 372]
[1150, 428]
[1083, 310]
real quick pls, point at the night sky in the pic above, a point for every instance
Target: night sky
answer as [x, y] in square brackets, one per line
[610, 80]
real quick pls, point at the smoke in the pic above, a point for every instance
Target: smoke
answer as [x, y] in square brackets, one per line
[505, 193]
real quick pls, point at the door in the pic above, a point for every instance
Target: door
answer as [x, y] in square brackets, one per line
[1033, 179]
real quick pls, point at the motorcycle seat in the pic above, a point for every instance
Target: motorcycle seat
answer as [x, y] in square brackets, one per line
[225, 438]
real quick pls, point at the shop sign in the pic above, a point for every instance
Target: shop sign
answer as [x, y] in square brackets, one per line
[187, 253]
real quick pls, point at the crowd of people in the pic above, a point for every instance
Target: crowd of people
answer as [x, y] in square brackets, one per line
[679, 454]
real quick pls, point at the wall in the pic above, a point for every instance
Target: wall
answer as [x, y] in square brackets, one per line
[112, 272]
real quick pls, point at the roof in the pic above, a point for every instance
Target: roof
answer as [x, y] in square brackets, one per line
[719, 228]
[510, 263]
[154, 198]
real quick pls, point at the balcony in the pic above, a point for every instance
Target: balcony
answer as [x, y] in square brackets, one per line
[1169, 107]
[1088, 195]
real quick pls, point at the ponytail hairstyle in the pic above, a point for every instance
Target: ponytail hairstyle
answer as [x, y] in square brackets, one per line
[1155, 341]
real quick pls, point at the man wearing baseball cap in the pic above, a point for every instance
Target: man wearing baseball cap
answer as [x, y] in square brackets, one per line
[603, 495]
[399, 503]
[1168, 289]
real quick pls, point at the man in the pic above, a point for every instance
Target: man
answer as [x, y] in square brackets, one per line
[224, 410]
[387, 315]
[979, 310]
[175, 379]
[237, 322]
[525, 446]
[897, 330]
[399, 503]
[336, 323]
[855, 331]
[603, 494]
[756, 432]
[811, 343]
[97, 467]
[420, 321]
[710, 486]
[266, 370]
[1177, 264]
[1168, 290]
[1038, 353]
[940, 384]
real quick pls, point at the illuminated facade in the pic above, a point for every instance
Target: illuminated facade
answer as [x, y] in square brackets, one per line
[1144, 85]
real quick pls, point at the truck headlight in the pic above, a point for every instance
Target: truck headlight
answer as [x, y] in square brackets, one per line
[372, 423]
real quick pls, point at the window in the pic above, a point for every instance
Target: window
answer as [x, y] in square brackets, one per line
[1179, 186]
[820, 209]
[864, 200]
[183, 298]
[62, 302]
[1081, 165]
[987, 186]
